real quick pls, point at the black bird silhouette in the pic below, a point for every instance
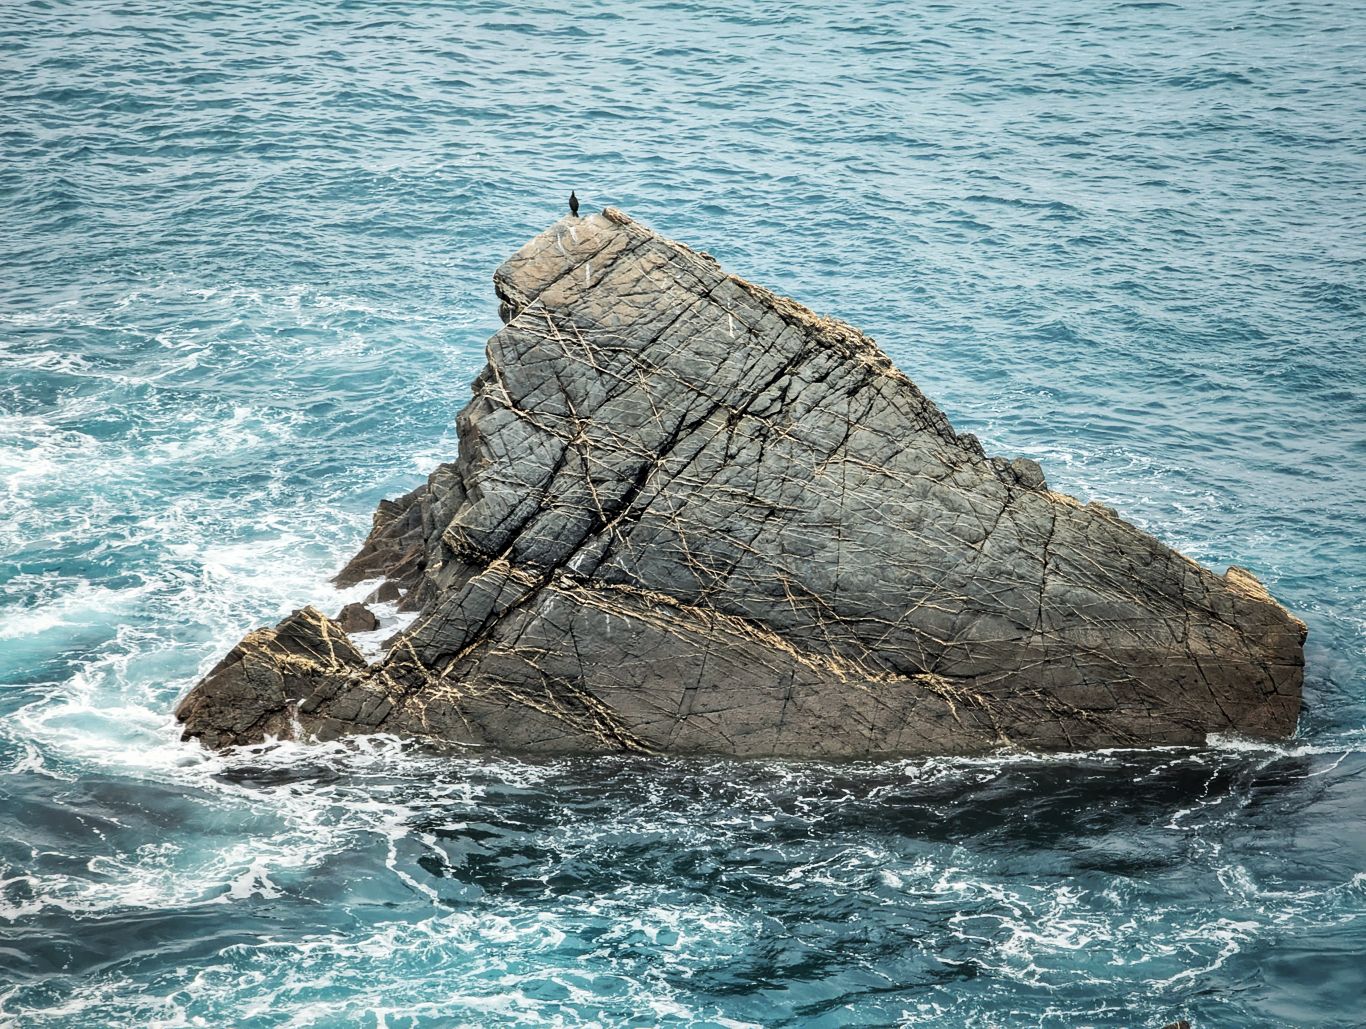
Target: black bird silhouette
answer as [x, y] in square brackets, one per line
[573, 204]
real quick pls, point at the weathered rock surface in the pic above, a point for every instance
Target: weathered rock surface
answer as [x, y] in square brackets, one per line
[689, 515]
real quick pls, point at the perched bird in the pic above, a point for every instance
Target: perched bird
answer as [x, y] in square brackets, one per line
[573, 204]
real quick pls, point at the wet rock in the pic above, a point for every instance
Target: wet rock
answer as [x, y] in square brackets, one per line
[387, 592]
[256, 691]
[357, 618]
[690, 515]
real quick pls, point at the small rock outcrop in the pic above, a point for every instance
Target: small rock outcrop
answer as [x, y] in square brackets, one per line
[689, 515]
[357, 618]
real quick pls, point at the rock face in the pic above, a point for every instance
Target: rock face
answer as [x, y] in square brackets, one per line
[689, 515]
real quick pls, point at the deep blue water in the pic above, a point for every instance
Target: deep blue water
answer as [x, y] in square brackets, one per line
[245, 261]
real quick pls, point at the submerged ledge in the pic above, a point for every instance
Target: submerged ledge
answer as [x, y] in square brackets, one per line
[689, 515]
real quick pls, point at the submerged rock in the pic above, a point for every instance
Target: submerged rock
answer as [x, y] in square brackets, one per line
[689, 515]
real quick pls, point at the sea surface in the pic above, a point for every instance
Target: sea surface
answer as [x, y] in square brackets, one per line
[245, 259]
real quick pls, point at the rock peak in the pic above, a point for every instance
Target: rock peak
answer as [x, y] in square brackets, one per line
[691, 515]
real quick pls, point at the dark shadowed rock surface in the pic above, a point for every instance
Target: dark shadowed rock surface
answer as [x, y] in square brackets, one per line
[357, 618]
[689, 515]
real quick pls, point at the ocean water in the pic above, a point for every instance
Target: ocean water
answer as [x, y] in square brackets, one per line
[245, 259]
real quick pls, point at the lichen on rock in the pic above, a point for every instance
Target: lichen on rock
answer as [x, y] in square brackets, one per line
[689, 515]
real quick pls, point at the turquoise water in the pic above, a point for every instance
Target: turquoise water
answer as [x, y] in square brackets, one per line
[245, 264]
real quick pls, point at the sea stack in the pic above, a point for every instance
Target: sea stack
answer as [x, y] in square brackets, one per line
[689, 515]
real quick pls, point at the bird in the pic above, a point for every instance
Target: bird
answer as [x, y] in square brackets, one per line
[573, 204]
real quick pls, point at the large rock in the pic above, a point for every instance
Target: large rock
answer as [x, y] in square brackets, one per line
[689, 515]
